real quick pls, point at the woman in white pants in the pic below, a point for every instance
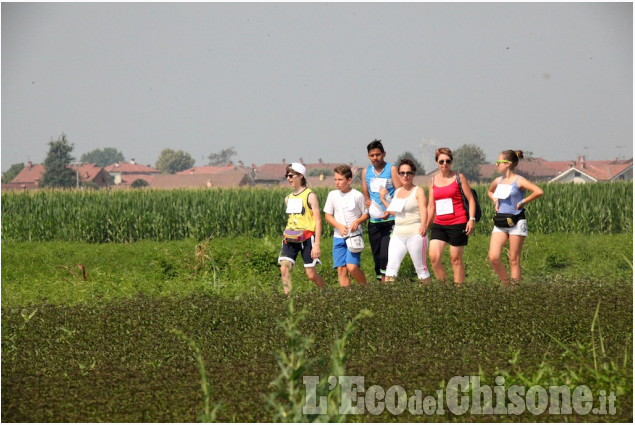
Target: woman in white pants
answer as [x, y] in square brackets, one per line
[409, 206]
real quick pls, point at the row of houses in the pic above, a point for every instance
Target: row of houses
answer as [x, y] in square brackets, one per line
[123, 175]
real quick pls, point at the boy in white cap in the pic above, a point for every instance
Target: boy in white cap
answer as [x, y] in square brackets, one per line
[303, 231]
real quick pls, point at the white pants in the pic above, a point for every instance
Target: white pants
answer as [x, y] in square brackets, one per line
[416, 245]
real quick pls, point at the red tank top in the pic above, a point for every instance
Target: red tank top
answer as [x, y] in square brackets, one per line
[453, 192]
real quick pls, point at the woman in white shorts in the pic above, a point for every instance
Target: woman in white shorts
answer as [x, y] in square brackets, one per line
[409, 206]
[508, 195]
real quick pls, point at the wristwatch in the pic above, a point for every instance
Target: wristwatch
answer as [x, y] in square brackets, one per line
[473, 218]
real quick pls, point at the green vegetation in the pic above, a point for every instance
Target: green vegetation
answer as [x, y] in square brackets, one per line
[409, 155]
[56, 164]
[160, 215]
[12, 172]
[315, 172]
[290, 395]
[119, 361]
[139, 183]
[102, 157]
[169, 324]
[33, 273]
[467, 159]
[171, 161]
[222, 158]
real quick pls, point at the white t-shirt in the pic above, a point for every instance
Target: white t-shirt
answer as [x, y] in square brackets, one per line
[345, 207]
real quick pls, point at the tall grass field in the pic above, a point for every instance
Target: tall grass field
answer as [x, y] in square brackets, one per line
[167, 306]
[162, 215]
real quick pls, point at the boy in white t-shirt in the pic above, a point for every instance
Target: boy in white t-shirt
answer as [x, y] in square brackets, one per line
[346, 210]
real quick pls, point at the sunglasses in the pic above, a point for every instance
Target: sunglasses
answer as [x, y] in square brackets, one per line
[286, 176]
[502, 161]
[406, 173]
[445, 161]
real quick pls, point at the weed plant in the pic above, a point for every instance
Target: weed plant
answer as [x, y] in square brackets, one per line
[289, 398]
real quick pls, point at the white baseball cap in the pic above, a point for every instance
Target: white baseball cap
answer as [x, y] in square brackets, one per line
[298, 168]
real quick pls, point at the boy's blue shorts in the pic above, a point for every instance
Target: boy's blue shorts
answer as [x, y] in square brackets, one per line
[342, 256]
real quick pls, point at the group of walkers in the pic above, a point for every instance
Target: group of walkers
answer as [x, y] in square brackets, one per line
[402, 219]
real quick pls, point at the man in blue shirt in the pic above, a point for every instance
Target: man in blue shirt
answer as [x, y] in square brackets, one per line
[379, 174]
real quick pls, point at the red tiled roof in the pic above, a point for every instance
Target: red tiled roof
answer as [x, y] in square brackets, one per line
[315, 181]
[128, 179]
[88, 172]
[174, 181]
[424, 180]
[327, 181]
[538, 168]
[603, 170]
[258, 176]
[127, 168]
[213, 170]
[273, 169]
[29, 175]
[281, 169]
[208, 169]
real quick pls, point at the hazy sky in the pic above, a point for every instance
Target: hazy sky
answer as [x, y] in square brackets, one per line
[295, 80]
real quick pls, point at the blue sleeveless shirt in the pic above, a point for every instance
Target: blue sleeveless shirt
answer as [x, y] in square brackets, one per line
[508, 205]
[385, 174]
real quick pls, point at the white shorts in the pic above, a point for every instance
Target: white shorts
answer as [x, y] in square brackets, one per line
[520, 229]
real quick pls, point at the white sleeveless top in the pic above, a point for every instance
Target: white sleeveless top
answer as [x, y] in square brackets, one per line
[408, 221]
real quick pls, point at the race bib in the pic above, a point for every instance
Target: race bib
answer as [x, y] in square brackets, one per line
[376, 183]
[444, 206]
[397, 205]
[294, 206]
[503, 191]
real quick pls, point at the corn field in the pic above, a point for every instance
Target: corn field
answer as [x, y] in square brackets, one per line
[574, 208]
[126, 216]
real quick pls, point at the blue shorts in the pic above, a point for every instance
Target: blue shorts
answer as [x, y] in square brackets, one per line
[342, 256]
[290, 250]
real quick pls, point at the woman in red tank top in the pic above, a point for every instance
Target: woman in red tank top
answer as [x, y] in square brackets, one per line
[448, 221]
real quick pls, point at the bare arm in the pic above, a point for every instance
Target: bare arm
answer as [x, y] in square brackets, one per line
[356, 223]
[339, 226]
[490, 193]
[431, 211]
[423, 210]
[315, 207]
[394, 175]
[365, 188]
[362, 218]
[536, 192]
[469, 228]
[382, 196]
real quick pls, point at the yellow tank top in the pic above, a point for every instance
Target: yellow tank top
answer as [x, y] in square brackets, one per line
[305, 219]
